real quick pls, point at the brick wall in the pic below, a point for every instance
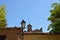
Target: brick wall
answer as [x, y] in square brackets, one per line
[32, 36]
[10, 33]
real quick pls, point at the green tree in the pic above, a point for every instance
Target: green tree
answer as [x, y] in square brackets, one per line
[54, 18]
[3, 22]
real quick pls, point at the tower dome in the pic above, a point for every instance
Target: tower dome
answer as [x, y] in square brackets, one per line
[23, 21]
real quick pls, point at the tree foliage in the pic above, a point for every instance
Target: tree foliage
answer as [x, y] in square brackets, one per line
[54, 18]
[3, 22]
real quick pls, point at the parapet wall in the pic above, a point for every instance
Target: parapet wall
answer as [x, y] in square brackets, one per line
[43, 36]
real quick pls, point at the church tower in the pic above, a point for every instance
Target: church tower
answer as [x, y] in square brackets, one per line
[29, 28]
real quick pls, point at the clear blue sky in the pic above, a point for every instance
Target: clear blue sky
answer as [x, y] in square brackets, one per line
[34, 12]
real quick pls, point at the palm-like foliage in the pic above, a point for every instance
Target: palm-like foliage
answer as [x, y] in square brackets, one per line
[3, 22]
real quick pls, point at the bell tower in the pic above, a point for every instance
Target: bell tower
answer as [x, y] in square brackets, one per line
[29, 27]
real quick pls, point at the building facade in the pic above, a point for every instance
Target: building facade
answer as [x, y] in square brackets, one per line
[9, 33]
[16, 33]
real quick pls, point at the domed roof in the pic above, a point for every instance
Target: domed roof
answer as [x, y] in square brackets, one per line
[29, 25]
[23, 21]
